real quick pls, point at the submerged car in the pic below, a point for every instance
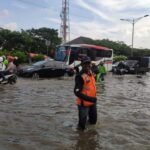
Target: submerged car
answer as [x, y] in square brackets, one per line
[46, 69]
[114, 66]
[131, 66]
[119, 68]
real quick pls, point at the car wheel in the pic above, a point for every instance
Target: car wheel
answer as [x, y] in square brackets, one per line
[35, 76]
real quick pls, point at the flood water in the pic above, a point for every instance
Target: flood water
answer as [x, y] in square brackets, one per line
[42, 115]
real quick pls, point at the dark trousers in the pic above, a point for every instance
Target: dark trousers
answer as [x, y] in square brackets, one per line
[102, 76]
[87, 112]
[3, 73]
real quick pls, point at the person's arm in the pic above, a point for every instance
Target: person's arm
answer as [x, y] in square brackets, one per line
[78, 90]
[8, 67]
[105, 71]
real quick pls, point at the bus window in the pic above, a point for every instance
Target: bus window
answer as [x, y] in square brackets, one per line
[83, 51]
[107, 53]
[92, 54]
[74, 54]
[77, 53]
[104, 53]
[99, 54]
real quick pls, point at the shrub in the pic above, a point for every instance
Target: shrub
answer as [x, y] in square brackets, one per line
[4, 52]
[22, 57]
[38, 58]
[119, 58]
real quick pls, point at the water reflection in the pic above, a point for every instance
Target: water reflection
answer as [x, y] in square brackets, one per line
[42, 115]
[88, 140]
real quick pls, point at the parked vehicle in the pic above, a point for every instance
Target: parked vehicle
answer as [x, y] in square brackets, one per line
[46, 68]
[9, 79]
[148, 61]
[72, 54]
[131, 66]
[114, 65]
[119, 68]
[140, 65]
[134, 65]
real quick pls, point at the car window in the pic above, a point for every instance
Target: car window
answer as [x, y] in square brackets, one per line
[55, 64]
[39, 63]
[131, 62]
[48, 64]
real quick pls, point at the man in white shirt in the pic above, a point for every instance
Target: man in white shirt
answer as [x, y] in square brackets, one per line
[2, 68]
[11, 68]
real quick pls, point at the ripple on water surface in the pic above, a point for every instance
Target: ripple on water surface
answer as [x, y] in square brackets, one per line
[42, 115]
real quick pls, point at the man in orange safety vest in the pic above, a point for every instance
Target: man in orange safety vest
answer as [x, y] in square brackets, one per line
[85, 90]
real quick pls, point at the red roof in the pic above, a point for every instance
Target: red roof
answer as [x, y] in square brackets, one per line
[35, 54]
[32, 55]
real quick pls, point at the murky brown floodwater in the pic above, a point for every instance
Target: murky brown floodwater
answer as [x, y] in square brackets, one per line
[42, 115]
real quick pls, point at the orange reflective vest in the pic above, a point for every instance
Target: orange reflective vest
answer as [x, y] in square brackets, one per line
[89, 89]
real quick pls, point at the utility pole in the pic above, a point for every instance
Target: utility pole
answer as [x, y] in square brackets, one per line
[133, 21]
[65, 25]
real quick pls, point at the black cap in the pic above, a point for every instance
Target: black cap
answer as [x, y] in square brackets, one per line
[85, 59]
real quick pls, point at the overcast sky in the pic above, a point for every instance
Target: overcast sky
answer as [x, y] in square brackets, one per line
[96, 19]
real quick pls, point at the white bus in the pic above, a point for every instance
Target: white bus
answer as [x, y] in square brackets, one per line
[72, 54]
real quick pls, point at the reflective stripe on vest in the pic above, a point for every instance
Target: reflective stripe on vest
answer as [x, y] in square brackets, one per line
[89, 89]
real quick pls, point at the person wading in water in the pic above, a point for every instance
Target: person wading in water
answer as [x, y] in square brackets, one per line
[85, 90]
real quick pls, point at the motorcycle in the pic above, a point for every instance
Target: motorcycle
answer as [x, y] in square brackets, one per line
[9, 79]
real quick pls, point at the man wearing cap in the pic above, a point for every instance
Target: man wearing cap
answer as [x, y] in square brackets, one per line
[11, 68]
[85, 90]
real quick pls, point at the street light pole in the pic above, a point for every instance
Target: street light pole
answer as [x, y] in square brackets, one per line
[133, 21]
[132, 37]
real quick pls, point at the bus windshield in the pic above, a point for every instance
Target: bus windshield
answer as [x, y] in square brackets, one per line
[61, 53]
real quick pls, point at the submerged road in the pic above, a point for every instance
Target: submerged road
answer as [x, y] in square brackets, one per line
[42, 115]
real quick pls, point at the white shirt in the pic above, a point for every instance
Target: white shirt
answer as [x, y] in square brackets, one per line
[11, 67]
[2, 66]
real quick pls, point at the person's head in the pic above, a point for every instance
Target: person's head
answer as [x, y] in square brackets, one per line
[10, 59]
[101, 63]
[93, 63]
[86, 64]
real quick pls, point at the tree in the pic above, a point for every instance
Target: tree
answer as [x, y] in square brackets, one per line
[42, 35]
[119, 47]
[32, 40]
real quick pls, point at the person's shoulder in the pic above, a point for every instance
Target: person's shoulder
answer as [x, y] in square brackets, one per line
[79, 76]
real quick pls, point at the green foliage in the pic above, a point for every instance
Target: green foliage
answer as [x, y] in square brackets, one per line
[119, 58]
[32, 40]
[38, 58]
[22, 56]
[4, 52]
[141, 52]
[119, 47]
[40, 36]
